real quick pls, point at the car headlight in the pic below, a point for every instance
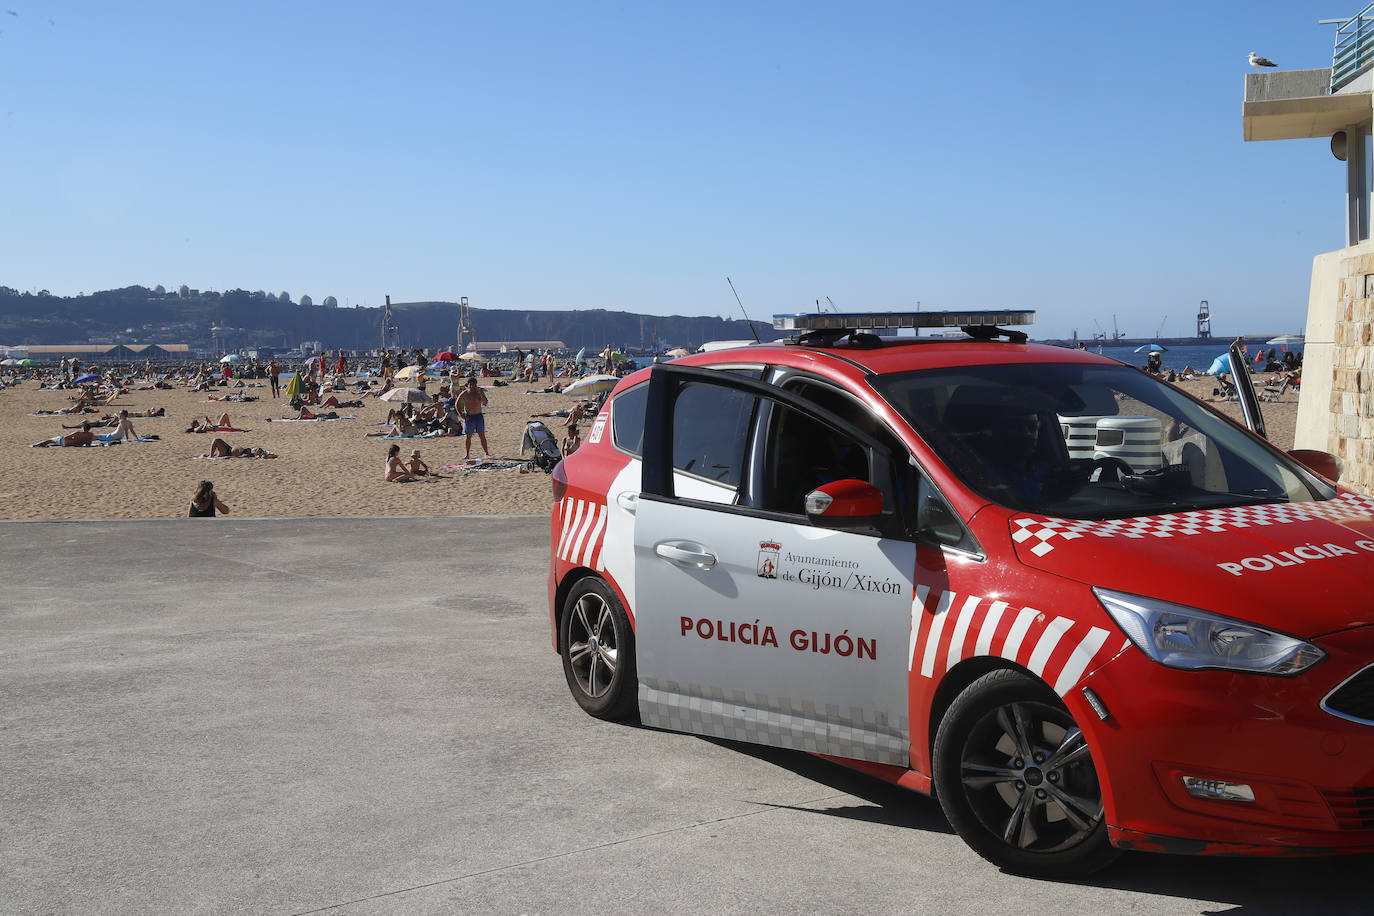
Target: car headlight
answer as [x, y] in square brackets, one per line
[1184, 637]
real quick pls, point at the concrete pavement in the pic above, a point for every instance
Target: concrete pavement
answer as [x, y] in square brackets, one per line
[364, 715]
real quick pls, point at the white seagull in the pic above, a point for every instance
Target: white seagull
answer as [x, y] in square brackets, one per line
[1257, 61]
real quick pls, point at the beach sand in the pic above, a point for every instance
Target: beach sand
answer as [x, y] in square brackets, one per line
[322, 468]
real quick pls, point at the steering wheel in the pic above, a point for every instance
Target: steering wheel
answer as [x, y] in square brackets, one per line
[1109, 464]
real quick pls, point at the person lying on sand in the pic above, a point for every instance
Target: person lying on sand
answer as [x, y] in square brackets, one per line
[221, 449]
[305, 414]
[387, 386]
[210, 426]
[332, 401]
[83, 436]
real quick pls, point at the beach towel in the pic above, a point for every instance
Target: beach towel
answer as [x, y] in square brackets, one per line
[226, 457]
[484, 464]
[219, 429]
[436, 434]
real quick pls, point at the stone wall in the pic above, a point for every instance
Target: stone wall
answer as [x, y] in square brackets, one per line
[1336, 407]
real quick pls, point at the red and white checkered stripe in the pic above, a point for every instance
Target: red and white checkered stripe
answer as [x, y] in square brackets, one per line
[947, 628]
[584, 532]
[1045, 530]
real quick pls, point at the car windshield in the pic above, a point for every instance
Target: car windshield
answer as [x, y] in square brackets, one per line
[1090, 441]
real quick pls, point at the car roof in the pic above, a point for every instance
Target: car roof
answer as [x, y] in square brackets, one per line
[892, 356]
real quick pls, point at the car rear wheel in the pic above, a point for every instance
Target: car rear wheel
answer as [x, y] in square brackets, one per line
[1016, 779]
[598, 649]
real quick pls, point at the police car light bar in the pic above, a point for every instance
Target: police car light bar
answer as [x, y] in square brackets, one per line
[876, 321]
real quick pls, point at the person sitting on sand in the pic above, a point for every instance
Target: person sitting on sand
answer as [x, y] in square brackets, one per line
[396, 471]
[205, 502]
[124, 429]
[83, 436]
[572, 441]
[416, 466]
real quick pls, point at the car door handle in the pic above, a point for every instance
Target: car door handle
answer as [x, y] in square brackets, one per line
[686, 553]
[628, 501]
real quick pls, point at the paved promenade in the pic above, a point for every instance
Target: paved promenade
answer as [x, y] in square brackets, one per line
[364, 716]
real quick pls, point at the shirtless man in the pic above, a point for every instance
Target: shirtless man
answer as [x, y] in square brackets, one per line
[124, 429]
[470, 404]
[83, 436]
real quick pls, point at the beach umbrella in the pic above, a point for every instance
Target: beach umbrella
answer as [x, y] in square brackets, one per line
[591, 385]
[26, 362]
[1152, 348]
[679, 352]
[1221, 364]
[1286, 340]
[580, 353]
[11, 361]
[446, 356]
[295, 385]
[408, 395]
[230, 358]
[409, 372]
[87, 377]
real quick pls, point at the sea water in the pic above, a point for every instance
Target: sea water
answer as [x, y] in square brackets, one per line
[1199, 355]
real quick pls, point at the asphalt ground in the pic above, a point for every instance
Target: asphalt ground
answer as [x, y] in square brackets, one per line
[364, 715]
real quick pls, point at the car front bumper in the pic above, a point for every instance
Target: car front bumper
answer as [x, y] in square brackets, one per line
[1311, 772]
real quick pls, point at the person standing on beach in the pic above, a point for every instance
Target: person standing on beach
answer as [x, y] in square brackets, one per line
[471, 404]
[274, 376]
[386, 364]
[342, 367]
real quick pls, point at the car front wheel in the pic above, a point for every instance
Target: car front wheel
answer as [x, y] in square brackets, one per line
[598, 649]
[1016, 779]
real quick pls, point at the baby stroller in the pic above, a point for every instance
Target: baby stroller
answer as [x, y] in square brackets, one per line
[541, 440]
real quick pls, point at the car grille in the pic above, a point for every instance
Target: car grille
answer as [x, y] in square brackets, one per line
[1354, 698]
[1354, 808]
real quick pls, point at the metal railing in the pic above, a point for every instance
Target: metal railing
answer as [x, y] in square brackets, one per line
[1354, 51]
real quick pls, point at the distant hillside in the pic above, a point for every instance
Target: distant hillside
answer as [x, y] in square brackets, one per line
[245, 319]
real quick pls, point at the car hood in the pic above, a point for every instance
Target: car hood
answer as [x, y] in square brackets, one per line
[1302, 568]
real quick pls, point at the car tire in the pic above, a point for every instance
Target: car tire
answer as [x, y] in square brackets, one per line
[1016, 779]
[598, 649]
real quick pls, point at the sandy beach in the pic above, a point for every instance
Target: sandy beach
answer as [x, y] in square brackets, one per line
[321, 469]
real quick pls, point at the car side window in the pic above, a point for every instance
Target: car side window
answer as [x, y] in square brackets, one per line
[627, 419]
[803, 454]
[711, 432]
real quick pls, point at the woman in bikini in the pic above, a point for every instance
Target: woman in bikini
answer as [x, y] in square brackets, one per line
[395, 470]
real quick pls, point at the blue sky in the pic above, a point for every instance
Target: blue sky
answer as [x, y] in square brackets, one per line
[1081, 159]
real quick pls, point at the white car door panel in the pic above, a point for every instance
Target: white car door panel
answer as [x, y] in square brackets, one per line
[771, 631]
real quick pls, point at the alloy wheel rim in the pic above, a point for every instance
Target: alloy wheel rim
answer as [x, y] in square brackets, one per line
[1028, 774]
[592, 646]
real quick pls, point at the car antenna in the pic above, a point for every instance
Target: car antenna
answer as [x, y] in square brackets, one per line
[752, 330]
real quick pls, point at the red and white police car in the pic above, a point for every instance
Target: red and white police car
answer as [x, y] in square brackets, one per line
[1083, 609]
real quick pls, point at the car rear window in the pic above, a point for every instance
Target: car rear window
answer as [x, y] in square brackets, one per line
[627, 419]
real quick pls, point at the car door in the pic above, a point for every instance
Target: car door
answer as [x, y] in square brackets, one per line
[753, 623]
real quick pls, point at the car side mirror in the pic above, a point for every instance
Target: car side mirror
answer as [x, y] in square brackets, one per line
[853, 505]
[1319, 462]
